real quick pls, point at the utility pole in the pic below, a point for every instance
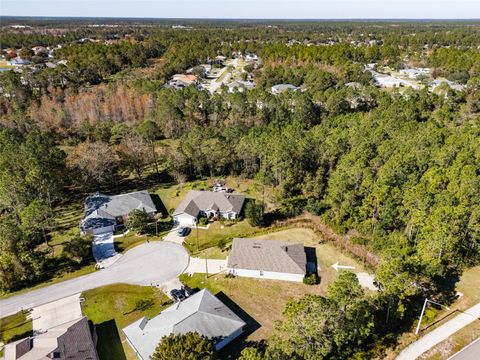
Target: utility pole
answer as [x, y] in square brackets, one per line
[206, 264]
[196, 227]
[423, 312]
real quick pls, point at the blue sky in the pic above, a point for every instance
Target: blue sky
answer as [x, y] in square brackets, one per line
[256, 9]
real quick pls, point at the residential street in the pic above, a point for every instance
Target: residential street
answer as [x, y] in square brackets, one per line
[148, 264]
[440, 334]
[469, 352]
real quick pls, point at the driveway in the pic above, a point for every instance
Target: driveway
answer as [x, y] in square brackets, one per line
[440, 334]
[104, 250]
[198, 265]
[151, 263]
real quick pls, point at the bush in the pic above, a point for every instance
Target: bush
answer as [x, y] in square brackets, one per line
[203, 221]
[310, 279]
[254, 212]
[221, 244]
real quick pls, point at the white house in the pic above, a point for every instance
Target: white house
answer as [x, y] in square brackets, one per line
[280, 88]
[103, 213]
[202, 313]
[267, 259]
[207, 203]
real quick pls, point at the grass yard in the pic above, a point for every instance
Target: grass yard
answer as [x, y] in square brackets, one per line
[264, 300]
[113, 307]
[210, 238]
[13, 328]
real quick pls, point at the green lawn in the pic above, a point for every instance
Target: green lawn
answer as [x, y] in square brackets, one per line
[217, 232]
[113, 307]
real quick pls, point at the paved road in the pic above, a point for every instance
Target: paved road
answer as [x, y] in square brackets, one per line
[440, 334]
[148, 264]
[470, 352]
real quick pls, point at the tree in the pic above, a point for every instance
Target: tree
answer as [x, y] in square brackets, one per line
[189, 346]
[135, 153]
[138, 221]
[36, 219]
[254, 212]
[96, 161]
[78, 248]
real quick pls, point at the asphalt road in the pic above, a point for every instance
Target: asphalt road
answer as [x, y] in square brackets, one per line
[470, 352]
[440, 334]
[148, 264]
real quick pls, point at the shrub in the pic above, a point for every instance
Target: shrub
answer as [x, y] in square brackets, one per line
[310, 279]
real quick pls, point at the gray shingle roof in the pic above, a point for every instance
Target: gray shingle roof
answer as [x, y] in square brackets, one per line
[267, 255]
[197, 200]
[202, 313]
[72, 340]
[101, 210]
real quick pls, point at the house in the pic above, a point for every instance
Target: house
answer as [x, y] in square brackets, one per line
[18, 61]
[267, 259]
[437, 82]
[207, 203]
[181, 81]
[202, 313]
[240, 86]
[280, 88]
[415, 73]
[73, 340]
[103, 213]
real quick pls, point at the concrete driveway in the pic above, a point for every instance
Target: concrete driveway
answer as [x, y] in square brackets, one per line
[198, 265]
[151, 263]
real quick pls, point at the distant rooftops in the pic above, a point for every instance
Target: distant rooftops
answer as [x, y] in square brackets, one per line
[277, 89]
[267, 255]
[202, 313]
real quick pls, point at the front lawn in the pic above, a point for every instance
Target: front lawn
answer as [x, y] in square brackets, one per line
[113, 307]
[217, 233]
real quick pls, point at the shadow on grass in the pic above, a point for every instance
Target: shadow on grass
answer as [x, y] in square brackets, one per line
[233, 350]
[109, 345]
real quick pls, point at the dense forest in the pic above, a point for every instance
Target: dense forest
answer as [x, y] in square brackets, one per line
[400, 169]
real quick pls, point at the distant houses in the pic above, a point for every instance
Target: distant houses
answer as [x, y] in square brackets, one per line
[415, 73]
[209, 204]
[181, 81]
[202, 312]
[103, 213]
[240, 86]
[280, 88]
[267, 259]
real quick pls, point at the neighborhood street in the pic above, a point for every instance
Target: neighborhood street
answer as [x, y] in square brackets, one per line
[148, 264]
[440, 334]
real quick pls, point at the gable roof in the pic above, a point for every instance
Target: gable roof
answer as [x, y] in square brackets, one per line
[197, 200]
[73, 340]
[202, 313]
[101, 210]
[267, 255]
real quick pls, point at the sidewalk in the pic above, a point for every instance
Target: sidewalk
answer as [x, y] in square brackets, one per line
[440, 334]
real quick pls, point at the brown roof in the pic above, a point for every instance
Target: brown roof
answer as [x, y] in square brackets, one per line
[267, 255]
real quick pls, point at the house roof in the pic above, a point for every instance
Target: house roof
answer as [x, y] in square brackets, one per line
[283, 87]
[72, 340]
[197, 200]
[101, 210]
[267, 255]
[202, 313]
[185, 78]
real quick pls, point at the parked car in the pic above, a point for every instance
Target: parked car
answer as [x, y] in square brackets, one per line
[183, 231]
[177, 295]
[188, 292]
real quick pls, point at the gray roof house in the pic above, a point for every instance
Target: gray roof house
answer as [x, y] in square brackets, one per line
[72, 340]
[268, 259]
[277, 89]
[103, 212]
[202, 313]
[208, 203]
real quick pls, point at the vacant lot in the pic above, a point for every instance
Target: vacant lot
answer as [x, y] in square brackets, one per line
[113, 307]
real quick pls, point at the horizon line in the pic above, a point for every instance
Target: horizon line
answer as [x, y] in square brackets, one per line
[235, 19]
